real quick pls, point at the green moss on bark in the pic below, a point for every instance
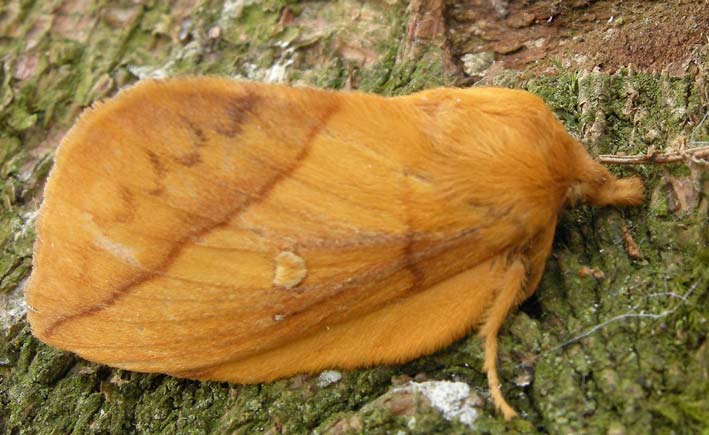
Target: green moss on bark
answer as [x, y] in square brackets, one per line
[622, 353]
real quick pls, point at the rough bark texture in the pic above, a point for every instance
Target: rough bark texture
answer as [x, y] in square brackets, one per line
[614, 341]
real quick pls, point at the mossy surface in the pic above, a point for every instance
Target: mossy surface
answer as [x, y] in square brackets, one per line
[623, 353]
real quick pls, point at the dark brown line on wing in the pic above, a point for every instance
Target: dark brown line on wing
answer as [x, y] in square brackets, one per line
[238, 110]
[159, 170]
[358, 279]
[380, 272]
[462, 237]
[199, 137]
[190, 159]
[227, 337]
[417, 274]
[172, 256]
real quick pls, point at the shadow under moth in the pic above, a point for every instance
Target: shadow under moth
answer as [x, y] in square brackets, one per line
[236, 231]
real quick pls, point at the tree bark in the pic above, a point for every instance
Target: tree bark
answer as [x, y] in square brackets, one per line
[614, 340]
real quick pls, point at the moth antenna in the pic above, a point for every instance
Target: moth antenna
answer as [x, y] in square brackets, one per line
[506, 299]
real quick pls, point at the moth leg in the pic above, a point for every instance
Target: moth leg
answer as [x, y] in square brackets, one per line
[506, 299]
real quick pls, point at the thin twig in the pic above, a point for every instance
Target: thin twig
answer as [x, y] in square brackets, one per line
[625, 316]
[698, 155]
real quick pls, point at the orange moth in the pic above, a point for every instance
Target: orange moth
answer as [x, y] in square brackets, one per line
[237, 231]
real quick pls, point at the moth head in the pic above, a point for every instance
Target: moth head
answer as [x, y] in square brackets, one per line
[606, 190]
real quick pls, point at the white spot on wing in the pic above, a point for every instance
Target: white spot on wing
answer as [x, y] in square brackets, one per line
[290, 269]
